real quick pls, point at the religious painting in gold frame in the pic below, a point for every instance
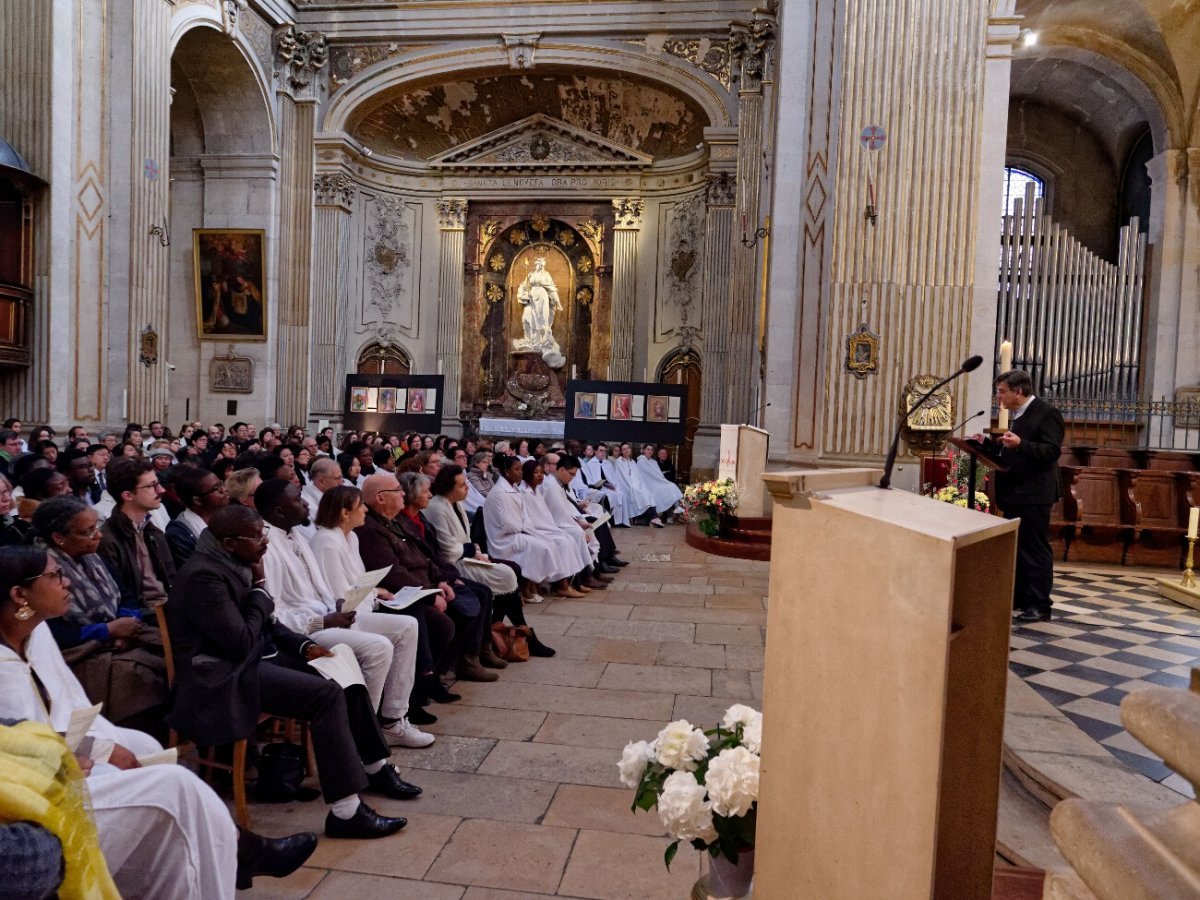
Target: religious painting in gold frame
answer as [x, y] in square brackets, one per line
[230, 266]
[862, 352]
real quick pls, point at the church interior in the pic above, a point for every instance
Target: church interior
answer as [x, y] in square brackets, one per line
[759, 236]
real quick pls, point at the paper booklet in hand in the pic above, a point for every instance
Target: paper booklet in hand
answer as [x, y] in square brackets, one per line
[406, 597]
[342, 667]
[479, 563]
[600, 520]
[79, 724]
[362, 587]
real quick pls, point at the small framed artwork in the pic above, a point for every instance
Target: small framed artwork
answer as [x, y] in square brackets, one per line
[862, 352]
[358, 399]
[657, 409]
[231, 374]
[372, 399]
[416, 401]
[231, 278]
[585, 406]
[387, 400]
[622, 405]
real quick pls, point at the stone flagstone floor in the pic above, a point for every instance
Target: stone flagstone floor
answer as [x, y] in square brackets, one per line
[521, 794]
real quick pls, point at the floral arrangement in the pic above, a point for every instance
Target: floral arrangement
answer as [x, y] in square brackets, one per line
[536, 407]
[704, 783]
[703, 503]
[957, 479]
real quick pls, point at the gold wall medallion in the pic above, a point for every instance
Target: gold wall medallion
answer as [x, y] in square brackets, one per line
[862, 352]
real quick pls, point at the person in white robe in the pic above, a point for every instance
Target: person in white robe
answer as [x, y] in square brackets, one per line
[446, 514]
[322, 475]
[163, 831]
[638, 500]
[305, 603]
[335, 549]
[571, 545]
[568, 519]
[599, 475]
[511, 534]
[666, 494]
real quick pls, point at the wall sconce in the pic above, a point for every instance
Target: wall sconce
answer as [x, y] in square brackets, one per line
[758, 234]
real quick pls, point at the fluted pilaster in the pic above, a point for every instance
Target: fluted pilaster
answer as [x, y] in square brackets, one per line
[626, 228]
[331, 224]
[452, 223]
[718, 250]
[148, 258]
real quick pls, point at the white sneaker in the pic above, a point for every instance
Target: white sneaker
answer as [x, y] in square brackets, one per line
[404, 733]
[534, 598]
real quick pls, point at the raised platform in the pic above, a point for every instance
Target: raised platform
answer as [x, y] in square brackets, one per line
[740, 538]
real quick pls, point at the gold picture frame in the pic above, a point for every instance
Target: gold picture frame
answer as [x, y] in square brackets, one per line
[862, 352]
[230, 271]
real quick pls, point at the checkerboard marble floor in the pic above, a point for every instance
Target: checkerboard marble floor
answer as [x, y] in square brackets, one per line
[1111, 634]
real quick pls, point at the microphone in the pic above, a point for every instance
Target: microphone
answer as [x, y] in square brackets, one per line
[969, 365]
[966, 420]
[756, 411]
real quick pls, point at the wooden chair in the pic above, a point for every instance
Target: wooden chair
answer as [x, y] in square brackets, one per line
[207, 758]
[1099, 516]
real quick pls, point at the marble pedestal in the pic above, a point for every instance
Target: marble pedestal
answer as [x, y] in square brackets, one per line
[532, 379]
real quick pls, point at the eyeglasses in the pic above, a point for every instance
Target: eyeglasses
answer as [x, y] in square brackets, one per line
[220, 487]
[92, 532]
[259, 540]
[390, 491]
[155, 486]
[56, 574]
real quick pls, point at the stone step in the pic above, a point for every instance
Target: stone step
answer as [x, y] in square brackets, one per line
[1023, 828]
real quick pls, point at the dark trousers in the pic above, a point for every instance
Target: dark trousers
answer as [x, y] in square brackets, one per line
[345, 733]
[1035, 559]
[608, 547]
[469, 630]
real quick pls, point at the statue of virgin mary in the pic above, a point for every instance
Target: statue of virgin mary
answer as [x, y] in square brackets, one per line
[538, 295]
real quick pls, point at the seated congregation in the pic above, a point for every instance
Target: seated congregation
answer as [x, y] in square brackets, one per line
[192, 586]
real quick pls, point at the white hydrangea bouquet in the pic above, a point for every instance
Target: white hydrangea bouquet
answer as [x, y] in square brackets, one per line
[704, 783]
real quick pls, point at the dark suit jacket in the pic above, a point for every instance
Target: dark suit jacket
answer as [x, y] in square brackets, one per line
[429, 544]
[181, 541]
[1032, 478]
[382, 543]
[220, 630]
[118, 548]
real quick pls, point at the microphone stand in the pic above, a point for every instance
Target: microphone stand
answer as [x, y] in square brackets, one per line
[969, 365]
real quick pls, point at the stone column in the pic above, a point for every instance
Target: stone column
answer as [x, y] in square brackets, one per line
[149, 148]
[752, 46]
[1004, 28]
[627, 225]
[299, 58]
[335, 203]
[718, 248]
[1165, 309]
[452, 223]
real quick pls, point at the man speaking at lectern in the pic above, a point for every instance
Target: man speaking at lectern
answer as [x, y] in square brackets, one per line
[1031, 486]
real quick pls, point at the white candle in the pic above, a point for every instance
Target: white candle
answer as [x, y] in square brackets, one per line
[1193, 522]
[439, 367]
[574, 372]
[1006, 356]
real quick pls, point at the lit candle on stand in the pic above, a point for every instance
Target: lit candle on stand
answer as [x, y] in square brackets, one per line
[1193, 522]
[1005, 366]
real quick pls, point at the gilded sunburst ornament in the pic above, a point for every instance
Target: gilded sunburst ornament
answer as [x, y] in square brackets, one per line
[566, 238]
[585, 265]
[494, 292]
[540, 224]
[584, 295]
[497, 262]
[517, 237]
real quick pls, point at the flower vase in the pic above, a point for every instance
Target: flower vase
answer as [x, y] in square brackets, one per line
[709, 526]
[726, 879]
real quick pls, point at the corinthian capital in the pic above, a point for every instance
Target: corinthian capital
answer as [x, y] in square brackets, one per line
[752, 45]
[334, 189]
[299, 56]
[452, 214]
[628, 212]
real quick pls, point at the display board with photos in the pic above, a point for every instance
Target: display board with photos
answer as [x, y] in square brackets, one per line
[633, 411]
[394, 403]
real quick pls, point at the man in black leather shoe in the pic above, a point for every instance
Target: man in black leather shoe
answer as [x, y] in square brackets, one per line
[233, 662]
[1027, 491]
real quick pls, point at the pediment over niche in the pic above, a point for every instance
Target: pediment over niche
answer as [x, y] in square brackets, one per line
[544, 143]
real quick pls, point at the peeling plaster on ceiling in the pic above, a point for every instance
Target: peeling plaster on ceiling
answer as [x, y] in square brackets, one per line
[419, 122]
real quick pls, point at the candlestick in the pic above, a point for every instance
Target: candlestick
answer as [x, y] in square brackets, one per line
[1189, 577]
[1193, 523]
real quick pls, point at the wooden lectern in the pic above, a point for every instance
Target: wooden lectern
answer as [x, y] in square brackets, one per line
[886, 665]
[744, 459]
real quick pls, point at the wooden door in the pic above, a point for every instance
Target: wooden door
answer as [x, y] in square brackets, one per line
[683, 367]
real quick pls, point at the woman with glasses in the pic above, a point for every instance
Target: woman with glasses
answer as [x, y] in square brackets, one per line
[162, 830]
[121, 664]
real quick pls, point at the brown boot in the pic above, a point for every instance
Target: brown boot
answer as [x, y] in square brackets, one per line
[596, 585]
[470, 669]
[487, 656]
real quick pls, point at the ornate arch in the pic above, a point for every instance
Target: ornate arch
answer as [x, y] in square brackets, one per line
[383, 359]
[426, 65]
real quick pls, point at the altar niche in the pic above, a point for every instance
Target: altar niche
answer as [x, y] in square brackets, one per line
[502, 367]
